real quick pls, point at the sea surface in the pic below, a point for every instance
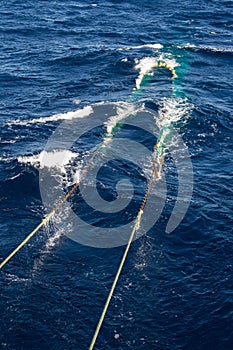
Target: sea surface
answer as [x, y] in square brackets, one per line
[58, 59]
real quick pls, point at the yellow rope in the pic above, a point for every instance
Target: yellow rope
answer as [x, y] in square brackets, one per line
[160, 160]
[41, 224]
[48, 217]
[135, 228]
[53, 211]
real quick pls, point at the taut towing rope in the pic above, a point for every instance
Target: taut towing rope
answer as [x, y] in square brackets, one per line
[131, 237]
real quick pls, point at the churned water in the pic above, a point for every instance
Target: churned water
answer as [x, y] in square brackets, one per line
[58, 59]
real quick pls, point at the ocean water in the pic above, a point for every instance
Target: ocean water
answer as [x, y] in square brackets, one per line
[58, 59]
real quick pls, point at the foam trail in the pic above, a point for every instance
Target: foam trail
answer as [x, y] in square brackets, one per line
[167, 58]
[54, 159]
[53, 240]
[150, 46]
[147, 64]
[50, 244]
[60, 158]
[80, 113]
[172, 110]
[207, 48]
[123, 111]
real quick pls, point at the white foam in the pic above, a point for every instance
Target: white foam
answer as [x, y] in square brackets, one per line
[76, 102]
[5, 158]
[52, 241]
[123, 111]
[168, 59]
[171, 110]
[77, 176]
[15, 278]
[206, 47]
[14, 177]
[150, 46]
[145, 65]
[54, 159]
[80, 113]
[8, 142]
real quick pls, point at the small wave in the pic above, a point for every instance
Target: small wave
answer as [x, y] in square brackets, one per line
[224, 50]
[8, 142]
[78, 114]
[14, 177]
[14, 278]
[5, 158]
[76, 101]
[83, 5]
[55, 159]
[150, 46]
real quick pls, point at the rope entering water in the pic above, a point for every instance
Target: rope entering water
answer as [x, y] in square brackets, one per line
[134, 229]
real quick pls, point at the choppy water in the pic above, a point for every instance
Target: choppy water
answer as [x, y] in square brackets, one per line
[58, 57]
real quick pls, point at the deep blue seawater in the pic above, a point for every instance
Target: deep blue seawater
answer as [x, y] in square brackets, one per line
[176, 290]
